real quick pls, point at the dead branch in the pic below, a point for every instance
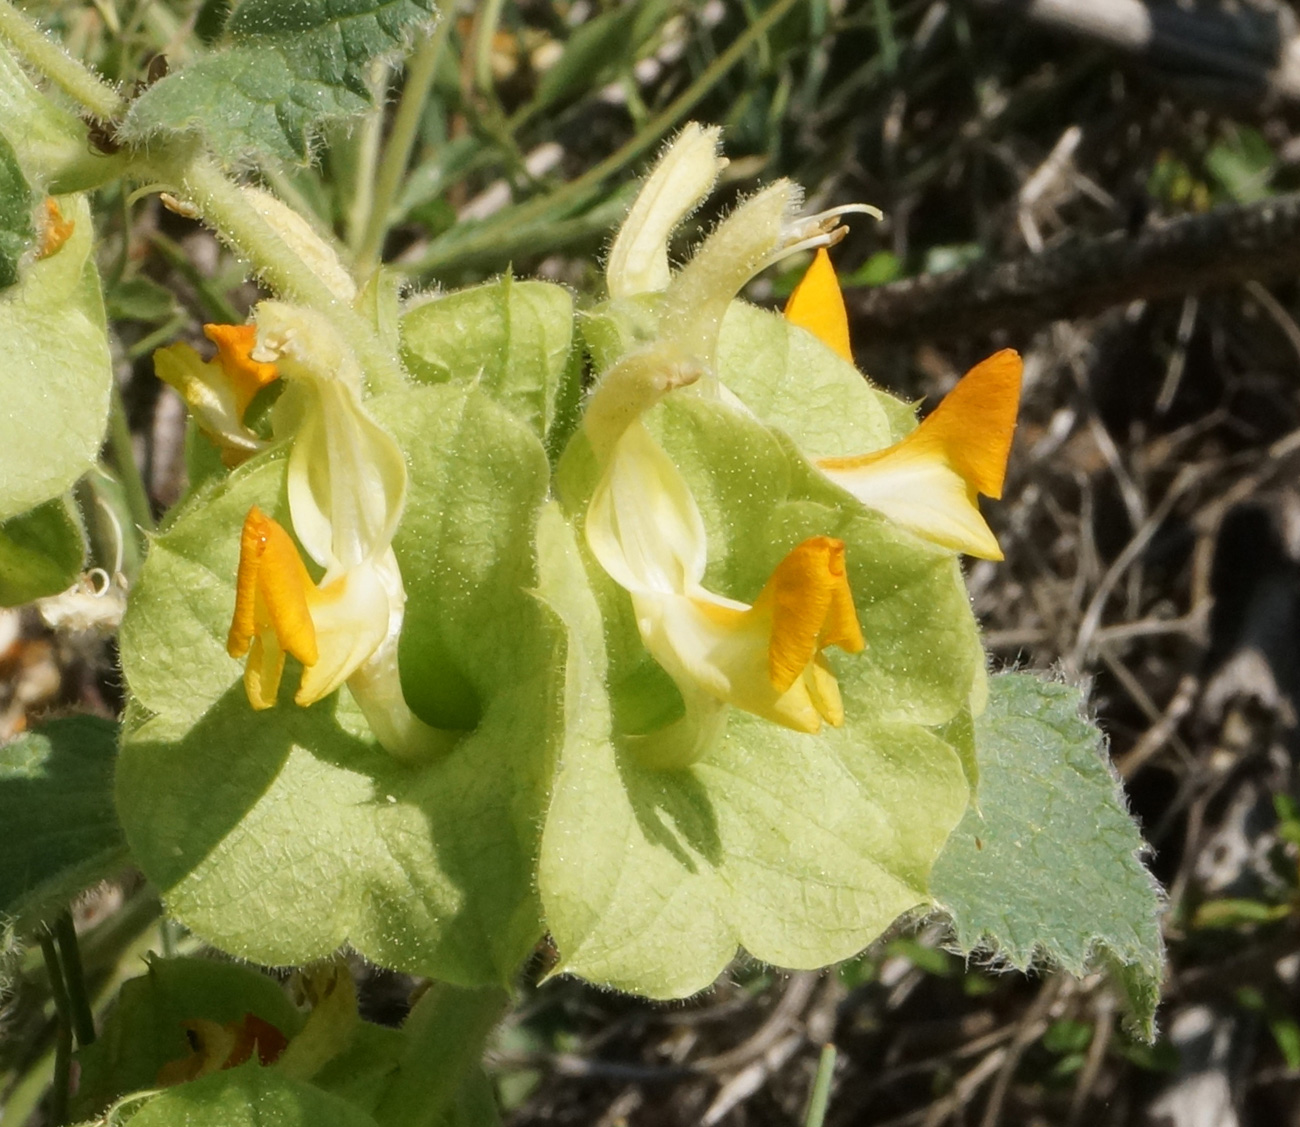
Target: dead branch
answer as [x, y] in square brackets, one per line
[1227, 246]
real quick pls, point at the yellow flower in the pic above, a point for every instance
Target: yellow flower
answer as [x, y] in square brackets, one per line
[331, 629]
[645, 529]
[929, 482]
[346, 484]
[218, 391]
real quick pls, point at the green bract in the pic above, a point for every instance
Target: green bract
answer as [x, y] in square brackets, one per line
[57, 372]
[279, 835]
[801, 848]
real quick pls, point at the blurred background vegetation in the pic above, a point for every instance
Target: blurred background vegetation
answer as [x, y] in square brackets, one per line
[1151, 520]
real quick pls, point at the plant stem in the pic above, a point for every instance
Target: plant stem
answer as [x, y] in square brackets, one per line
[227, 210]
[70, 76]
[445, 1035]
[63, 1036]
[821, 1089]
[361, 153]
[489, 16]
[669, 116]
[128, 473]
[83, 1019]
[420, 71]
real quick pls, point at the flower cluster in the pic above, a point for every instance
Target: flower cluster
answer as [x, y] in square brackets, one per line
[685, 654]
[643, 524]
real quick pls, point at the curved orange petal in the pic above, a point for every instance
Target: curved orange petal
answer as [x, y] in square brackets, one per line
[811, 605]
[247, 376]
[817, 305]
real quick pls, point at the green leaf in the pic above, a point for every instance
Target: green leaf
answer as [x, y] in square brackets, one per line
[144, 1030]
[513, 339]
[282, 70]
[793, 382]
[799, 848]
[57, 371]
[249, 1096]
[41, 552]
[1047, 865]
[56, 805]
[16, 231]
[278, 835]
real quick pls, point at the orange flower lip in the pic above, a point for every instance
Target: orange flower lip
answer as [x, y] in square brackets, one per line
[271, 591]
[817, 304]
[811, 605]
[235, 344]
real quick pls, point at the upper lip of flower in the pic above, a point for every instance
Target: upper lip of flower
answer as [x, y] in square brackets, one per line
[218, 391]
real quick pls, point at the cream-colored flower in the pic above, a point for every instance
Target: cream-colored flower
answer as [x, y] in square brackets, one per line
[346, 484]
[645, 529]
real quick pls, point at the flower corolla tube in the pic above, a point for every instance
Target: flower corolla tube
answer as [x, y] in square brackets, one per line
[346, 485]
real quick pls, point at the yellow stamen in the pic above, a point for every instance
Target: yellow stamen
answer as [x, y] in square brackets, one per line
[818, 306]
[272, 612]
[970, 430]
[56, 230]
[247, 376]
[811, 605]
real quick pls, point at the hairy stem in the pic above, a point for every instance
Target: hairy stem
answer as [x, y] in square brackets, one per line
[128, 473]
[73, 78]
[225, 208]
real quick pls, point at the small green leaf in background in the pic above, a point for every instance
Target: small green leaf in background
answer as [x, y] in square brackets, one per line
[280, 70]
[1242, 166]
[60, 832]
[249, 1096]
[145, 1030]
[140, 299]
[57, 371]
[16, 230]
[41, 552]
[1047, 863]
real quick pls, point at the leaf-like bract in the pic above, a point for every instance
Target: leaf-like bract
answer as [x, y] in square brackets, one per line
[41, 552]
[57, 372]
[800, 848]
[513, 339]
[56, 805]
[1047, 863]
[281, 70]
[249, 1096]
[280, 834]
